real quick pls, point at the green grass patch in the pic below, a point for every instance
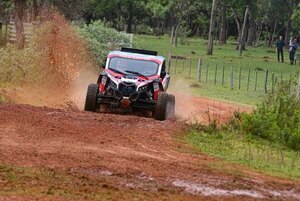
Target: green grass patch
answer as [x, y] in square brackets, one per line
[225, 56]
[261, 155]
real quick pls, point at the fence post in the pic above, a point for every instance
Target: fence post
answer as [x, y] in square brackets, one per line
[248, 82]
[266, 81]
[240, 77]
[281, 77]
[216, 73]
[256, 75]
[223, 75]
[176, 65]
[190, 69]
[182, 68]
[298, 87]
[207, 66]
[273, 82]
[199, 69]
[169, 59]
[231, 79]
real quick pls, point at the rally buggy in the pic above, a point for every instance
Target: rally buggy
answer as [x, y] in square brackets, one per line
[133, 79]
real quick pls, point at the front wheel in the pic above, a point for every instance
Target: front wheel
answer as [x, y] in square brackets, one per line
[91, 98]
[161, 110]
[171, 106]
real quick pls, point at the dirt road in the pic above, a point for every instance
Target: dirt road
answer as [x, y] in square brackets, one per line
[127, 152]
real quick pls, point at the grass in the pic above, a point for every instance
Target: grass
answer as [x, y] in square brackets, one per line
[260, 155]
[260, 58]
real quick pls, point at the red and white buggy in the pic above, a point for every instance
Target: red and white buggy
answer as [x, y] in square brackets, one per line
[133, 79]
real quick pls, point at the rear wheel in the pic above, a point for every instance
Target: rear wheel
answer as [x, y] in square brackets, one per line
[160, 112]
[91, 98]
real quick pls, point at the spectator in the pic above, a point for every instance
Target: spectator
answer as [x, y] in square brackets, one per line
[280, 46]
[292, 49]
[291, 41]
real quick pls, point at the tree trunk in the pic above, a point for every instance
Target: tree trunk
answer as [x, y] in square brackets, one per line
[258, 35]
[172, 34]
[1, 31]
[20, 6]
[242, 38]
[238, 25]
[5, 33]
[129, 23]
[222, 37]
[35, 8]
[176, 35]
[251, 30]
[211, 28]
[287, 33]
[197, 33]
[272, 33]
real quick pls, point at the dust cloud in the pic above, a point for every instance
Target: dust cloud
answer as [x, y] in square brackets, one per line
[64, 66]
[185, 106]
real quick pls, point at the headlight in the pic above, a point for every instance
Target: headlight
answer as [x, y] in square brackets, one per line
[143, 88]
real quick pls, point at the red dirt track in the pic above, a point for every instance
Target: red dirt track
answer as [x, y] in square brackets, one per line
[134, 152]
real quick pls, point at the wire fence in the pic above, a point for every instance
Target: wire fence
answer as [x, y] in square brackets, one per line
[245, 78]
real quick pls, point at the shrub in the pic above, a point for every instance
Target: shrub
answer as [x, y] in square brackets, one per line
[277, 118]
[55, 56]
[102, 39]
[17, 64]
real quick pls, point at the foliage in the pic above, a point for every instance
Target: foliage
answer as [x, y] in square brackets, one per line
[56, 53]
[6, 7]
[16, 65]
[277, 118]
[102, 39]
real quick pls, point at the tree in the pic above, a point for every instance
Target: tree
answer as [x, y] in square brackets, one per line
[222, 36]
[211, 28]
[242, 38]
[118, 12]
[20, 6]
[157, 11]
[291, 8]
[251, 29]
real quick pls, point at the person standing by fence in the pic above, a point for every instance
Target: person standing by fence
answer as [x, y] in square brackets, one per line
[280, 44]
[292, 49]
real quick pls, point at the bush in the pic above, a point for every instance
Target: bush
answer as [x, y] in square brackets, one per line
[102, 39]
[277, 118]
[55, 56]
[17, 64]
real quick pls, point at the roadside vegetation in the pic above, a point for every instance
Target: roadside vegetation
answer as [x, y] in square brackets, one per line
[101, 39]
[267, 139]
